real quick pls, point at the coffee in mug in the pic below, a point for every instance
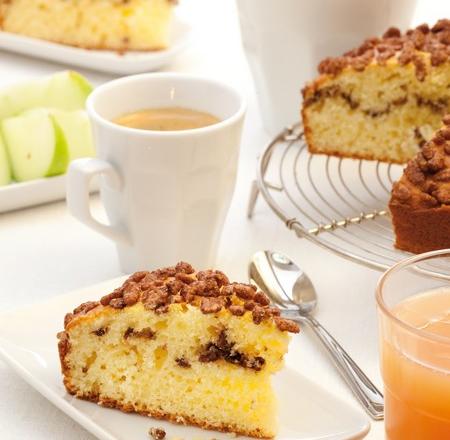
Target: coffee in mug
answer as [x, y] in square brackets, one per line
[167, 119]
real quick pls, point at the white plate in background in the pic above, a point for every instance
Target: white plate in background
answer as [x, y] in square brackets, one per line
[100, 60]
[28, 344]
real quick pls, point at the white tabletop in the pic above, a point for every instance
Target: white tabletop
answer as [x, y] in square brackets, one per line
[44, 252]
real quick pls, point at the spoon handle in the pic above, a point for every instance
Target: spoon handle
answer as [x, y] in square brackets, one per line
[362, 387]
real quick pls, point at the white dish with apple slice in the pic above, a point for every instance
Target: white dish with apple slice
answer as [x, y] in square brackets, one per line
[32, 193]
[100, 60]
[43, 126]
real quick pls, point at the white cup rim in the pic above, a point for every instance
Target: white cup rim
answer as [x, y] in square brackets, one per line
[237, 115]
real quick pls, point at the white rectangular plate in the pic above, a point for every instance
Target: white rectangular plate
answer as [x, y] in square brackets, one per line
[100, 60]
[28, 344]
[31, 193]
[35, 192]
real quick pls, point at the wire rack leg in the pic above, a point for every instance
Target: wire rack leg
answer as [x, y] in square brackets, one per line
[254, 193]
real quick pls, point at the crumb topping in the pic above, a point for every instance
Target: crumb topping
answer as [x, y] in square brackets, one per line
[157, 433]
[406, 48]
[209, 290]
[426, 179]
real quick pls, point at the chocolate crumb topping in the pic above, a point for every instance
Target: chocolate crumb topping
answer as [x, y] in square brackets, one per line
[443, 195]
[184, 278]
[68, 318]
[117, 303]
[414, 173]
[446, 119]
[401, 192]
[443, 176]
[244, 291]
[85, 307]
[392, 32]
[132, 297]
[435, 42]
[426, 179]
[237, 310]
[258, 314]
[117, 293]
[275, 312]
[138, 276]
[183, 267]
[211, 305]
[445, 133]
[286, 325]
[436, 163]
[219, 277]
[155, 298]
[249, 305]
[261, 299]
[209, 290]
[82, 309]
[157, 433]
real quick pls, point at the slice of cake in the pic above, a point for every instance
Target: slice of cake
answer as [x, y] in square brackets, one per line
[176, 344]
[92, 24]
[420, 201]
[382, 100]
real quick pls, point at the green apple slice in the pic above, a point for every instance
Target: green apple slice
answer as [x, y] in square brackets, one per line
[36, 145]
[22, 97]
[5, 170]
[6, 108]
[61, 155]
[77, 131]
[65, 90]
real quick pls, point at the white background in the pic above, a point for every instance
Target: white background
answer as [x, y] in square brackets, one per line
[44, 252]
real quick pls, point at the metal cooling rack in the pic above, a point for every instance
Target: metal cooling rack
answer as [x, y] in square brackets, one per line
[339, 204]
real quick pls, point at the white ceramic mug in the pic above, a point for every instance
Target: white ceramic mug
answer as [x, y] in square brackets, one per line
[286, 39]
[166, 193]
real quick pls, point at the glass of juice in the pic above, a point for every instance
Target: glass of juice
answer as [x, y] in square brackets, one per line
[414, 321]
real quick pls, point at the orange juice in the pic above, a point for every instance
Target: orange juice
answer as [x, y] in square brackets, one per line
[416, 368]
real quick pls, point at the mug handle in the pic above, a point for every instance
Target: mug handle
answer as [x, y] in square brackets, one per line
[79, 175]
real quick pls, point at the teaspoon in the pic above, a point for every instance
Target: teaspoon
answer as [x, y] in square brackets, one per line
[291, 290]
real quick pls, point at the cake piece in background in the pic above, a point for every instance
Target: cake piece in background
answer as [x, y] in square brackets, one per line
[420, 201]
[185, 346]
[118, 25]
[382, 100]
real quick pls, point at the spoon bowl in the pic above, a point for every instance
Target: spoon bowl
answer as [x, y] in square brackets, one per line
[283, 281]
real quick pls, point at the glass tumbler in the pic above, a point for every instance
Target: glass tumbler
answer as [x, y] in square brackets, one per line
[413, 299]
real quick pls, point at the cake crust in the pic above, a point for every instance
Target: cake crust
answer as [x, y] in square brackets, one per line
[174, 418]
[177, 289]
[420, 200]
